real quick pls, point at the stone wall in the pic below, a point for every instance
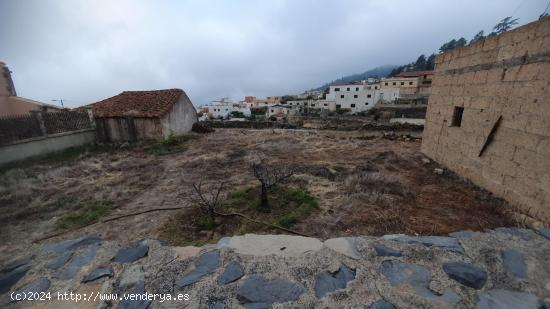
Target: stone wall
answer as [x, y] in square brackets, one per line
[507, 77]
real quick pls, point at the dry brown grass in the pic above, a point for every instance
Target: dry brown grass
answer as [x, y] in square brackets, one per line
[364, 184]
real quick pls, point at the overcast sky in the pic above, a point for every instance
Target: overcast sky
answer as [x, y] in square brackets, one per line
[85, 51]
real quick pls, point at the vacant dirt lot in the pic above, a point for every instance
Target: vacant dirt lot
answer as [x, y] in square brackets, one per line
[364, 183]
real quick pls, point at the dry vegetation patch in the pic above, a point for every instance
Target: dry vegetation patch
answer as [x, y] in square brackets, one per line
[361, 182]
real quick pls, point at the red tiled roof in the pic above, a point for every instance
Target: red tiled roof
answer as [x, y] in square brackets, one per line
[147, 104]
[414, 73]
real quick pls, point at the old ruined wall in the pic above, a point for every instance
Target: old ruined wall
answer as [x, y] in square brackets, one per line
[504, 76]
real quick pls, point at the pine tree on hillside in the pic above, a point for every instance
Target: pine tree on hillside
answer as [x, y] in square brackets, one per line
[477, 37]
[420, 63]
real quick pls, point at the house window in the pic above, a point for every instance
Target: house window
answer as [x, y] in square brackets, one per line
[338, 106]
[394, 83]
[457, 116]
[410, 83]
[366, 103]
[326, 104]
[341, 96]
[376, 87]
[402, 83]
[356, 88]
[352, 105]
[336, 89]
[272, 111]
[386, 84]
[355, 96]
[368, 95]
[348, 89]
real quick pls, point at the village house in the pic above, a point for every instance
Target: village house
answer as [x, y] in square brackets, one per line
[255, 103]
[138, 115]
[279, 111]
[357, 97]
[11, 104]
[423, 82]
[225, 108]
[305, 105]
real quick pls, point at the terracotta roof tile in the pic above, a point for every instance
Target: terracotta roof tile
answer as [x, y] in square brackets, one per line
[147, 104]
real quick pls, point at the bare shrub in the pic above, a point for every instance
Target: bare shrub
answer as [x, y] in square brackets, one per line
[269, 176]
[208, 199]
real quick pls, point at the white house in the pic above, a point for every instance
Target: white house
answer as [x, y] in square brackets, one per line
[224, 107]
[303, 105]
[357, 97]
[279, 111]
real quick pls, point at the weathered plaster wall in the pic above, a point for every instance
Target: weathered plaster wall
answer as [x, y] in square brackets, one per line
[506, 75]
[181, 118]
[45, 144]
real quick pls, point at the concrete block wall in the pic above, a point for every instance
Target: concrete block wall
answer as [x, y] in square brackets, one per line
[506, 75]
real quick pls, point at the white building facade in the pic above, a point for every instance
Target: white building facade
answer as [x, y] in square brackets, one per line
[355, 97]
[222, 109]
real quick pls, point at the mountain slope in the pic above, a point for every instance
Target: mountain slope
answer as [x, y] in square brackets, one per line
[381, 71]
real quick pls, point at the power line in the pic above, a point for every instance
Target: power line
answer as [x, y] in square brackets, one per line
[518, 7]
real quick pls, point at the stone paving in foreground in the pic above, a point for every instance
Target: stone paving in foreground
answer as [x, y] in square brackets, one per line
[502, 268]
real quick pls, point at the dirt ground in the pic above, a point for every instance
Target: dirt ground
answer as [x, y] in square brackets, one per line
[364, 183]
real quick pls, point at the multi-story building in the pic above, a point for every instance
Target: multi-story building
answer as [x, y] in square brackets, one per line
[357, 97]
[405, 85]
[424, 81]
[253, 102]
[279, 111]
[305, 105]
[224, 107]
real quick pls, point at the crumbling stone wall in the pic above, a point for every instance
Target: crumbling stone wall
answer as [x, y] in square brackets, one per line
[504, 76]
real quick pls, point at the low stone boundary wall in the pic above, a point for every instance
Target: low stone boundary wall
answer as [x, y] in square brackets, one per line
[42, 145]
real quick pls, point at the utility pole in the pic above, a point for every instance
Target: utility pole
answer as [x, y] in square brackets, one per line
[59, 100]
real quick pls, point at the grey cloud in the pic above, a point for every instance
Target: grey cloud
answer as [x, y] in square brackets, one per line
[84, 51]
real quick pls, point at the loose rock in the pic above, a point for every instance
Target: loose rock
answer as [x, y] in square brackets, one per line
[520, 233]
[97, 273]
[233, 272]
[514, 263]
[327, 282]
[72, 244]
[131, 276]
[399, 273]
[505, 299]
[447, 243]
[37, 286]
[15, 264]
[76, 263]
[381, 304]
[131, 254]
[382, 250]
[137, 303]
[418, 277]
[467, 274]
[11, 278]
[544, 231]
[60, 260]
[258, 292]
[206, 264]
[463, 234]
